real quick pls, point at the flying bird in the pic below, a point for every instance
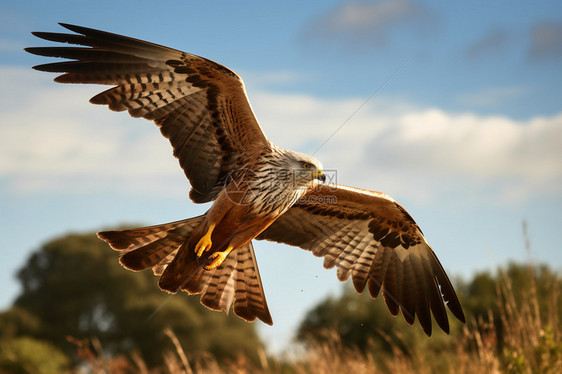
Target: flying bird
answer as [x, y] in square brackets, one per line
[258, 189]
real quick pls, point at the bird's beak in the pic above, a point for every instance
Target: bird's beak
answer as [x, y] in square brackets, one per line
[321, 176]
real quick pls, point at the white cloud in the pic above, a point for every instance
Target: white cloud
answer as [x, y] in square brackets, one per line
[52, 139]
[419, 152]
[484, 148]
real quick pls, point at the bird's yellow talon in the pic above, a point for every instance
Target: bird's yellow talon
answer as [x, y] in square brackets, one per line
[204, 244]
[216, 259]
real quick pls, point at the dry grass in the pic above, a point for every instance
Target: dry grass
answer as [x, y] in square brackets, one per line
[524, 339]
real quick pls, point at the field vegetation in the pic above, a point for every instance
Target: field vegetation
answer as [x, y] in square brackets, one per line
[79, 312]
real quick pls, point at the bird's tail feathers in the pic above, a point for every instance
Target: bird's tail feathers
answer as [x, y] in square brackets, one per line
[168, 250]
[152, 246]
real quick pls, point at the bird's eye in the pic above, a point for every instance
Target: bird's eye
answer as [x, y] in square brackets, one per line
[305, 165]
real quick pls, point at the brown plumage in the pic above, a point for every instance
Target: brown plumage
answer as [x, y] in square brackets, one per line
[258, 190]
[370, 237]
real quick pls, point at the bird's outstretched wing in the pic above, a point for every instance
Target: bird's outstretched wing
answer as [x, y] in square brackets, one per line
[199, 105]
[369, 236]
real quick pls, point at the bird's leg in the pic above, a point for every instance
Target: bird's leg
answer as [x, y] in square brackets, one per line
[204, 244]
[216, 259]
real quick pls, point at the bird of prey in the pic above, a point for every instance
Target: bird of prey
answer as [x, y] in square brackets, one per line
[258, 190]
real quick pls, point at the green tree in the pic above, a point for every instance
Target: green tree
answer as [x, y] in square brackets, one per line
[18, 322]
[74, 286]
[29, 355]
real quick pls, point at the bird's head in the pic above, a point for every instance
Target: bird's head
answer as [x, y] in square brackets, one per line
[305, 169]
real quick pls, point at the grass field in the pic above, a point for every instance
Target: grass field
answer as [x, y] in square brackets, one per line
[524, 337]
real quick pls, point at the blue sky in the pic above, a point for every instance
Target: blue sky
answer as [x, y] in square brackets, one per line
[466, 133]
